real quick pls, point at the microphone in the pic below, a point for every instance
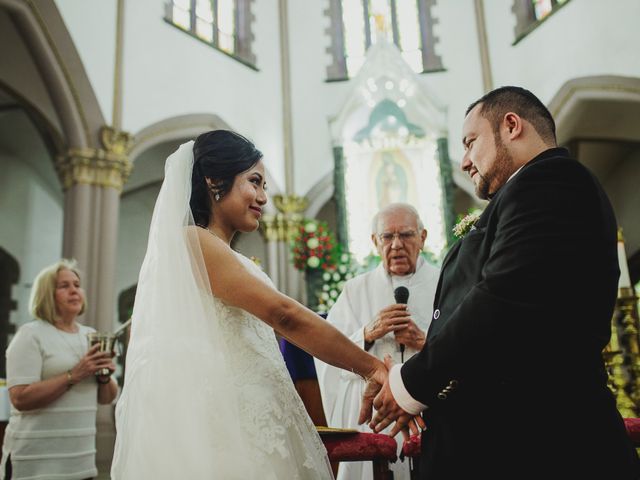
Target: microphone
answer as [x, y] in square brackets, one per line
[401, 295]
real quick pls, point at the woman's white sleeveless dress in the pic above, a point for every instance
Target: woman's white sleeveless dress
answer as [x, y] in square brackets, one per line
[284, 441]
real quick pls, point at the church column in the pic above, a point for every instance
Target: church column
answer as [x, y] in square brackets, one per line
[271, 237]
[92, 180]
[279, 229]
[483, 46]
[273, 226]
[290, 206]
[446, 180]
[339, 194]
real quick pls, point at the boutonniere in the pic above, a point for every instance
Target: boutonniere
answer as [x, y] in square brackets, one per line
[466, 224]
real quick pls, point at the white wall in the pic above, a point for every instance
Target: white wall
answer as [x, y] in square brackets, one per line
[313, 99]
[31, 215]
[583, 38]
[92, 26]
[133, 232]
[461, 82]
[168, 73]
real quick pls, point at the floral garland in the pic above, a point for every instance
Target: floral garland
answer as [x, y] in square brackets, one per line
[313, 246]
[333, 281]
[466, 223]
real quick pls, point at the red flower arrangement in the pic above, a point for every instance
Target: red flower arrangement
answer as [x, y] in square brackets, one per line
[313, 246]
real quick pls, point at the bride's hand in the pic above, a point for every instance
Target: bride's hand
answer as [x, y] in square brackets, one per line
[374, 384]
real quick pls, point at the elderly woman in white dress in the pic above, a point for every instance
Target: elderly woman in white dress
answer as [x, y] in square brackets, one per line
[53, 386]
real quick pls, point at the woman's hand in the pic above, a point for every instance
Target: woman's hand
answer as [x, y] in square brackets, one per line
[93, 361]
[41, 394]
[375, 380]
[104, 379]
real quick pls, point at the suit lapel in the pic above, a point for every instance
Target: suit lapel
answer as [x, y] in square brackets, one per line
[450, 254]
[453, 253]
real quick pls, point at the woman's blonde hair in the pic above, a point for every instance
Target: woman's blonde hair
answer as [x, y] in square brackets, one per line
[42, 303]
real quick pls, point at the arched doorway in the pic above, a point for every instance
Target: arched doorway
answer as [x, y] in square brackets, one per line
[9, 275]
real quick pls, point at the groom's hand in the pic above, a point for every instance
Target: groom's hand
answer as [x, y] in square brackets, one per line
[388, 411]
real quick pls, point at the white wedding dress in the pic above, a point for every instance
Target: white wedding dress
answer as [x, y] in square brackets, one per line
[283, 438]
[207, 394]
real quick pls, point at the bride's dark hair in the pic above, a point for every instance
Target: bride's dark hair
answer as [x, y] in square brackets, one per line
[219, 155]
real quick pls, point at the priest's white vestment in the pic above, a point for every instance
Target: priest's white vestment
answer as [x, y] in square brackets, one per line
[358, 304]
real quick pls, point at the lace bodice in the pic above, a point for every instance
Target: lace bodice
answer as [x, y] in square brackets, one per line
[270, 409]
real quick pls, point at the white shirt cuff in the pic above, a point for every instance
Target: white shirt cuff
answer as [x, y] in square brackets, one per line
[400, 393]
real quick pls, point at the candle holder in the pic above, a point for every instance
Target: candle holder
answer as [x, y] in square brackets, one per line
[617, 380]
[622, 355]
[627, 306]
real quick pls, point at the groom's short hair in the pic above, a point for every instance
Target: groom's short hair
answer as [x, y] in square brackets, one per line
[495, 104]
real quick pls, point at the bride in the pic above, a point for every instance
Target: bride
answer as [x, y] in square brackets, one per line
[206, 393]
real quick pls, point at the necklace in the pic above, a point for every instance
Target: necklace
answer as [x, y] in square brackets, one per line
[208, 230]
[213, 233]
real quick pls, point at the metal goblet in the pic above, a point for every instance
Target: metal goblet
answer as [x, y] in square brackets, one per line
[107, 342]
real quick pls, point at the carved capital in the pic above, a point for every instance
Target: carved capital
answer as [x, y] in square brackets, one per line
[116, 142]
[105, 167]
[290, 204]
[274, 227]
[283, 225]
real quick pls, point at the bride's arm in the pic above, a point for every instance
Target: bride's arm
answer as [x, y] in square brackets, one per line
[236, 286]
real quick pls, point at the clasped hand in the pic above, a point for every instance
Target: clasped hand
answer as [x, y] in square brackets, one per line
[379, 396]
[92, 361]
[395, 318]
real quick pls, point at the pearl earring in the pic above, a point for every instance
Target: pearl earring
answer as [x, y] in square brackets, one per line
[215, 191]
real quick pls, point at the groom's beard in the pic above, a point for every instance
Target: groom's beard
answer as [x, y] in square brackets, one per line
[497, 174]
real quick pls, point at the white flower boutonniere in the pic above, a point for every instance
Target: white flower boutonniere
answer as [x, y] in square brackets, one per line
[466, 224]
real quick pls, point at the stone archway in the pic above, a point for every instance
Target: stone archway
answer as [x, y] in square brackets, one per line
[598, 119]
[45, 74]
[57, 78]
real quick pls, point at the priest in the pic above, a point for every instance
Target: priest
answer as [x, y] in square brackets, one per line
[385, 311]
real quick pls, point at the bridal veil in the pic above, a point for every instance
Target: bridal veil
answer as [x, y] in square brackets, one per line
[178, 395]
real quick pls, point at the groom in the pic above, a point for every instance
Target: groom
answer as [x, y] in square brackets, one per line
[511, 382]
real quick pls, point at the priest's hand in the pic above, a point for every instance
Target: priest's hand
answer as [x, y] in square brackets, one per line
[389, 319]
[411, 336]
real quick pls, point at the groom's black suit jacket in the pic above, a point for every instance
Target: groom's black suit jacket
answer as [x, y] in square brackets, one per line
[512, 371]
